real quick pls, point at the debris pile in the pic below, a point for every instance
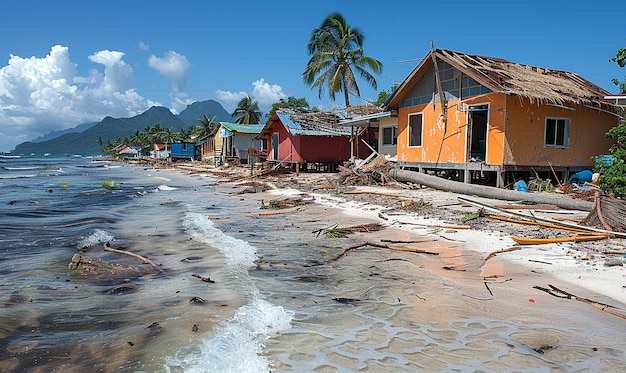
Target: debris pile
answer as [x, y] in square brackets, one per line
[375, 172]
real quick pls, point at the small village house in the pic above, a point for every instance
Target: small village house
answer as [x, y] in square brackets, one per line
[232, 141]
[487, 120]
[159, 151]
[125, 151]
[182, 150]
[308, 139]
[205, 147]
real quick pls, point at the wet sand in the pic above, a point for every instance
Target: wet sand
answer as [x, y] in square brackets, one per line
[386, 310]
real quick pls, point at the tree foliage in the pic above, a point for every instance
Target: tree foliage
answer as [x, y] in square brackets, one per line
[384, 95]
[156, 134]
[247, 111]
[620, 59]
[291, 103]
[337, 58]
[613, 178]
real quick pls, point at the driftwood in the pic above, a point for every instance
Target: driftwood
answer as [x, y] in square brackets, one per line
[205, 279]
[536, 218]
[104, 270]
[492, 254]
[142, 258]
[542, 224]
[262, 214]
[576, 238]
[409, 241]
[438, 225]
[559, 293]
[383, 246]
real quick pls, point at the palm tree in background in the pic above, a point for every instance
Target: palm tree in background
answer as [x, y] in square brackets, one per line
[207, 125]
[247, 111]
[336, 51]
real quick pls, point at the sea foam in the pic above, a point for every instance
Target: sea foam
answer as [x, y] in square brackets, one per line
[97, 237]
[238, 253]
[238, 345]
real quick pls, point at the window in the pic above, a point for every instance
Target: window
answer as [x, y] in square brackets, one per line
[415, 130]
[557, 132]
[390, 136]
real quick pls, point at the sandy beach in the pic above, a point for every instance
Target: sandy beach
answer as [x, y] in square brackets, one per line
[467, 278]
[592, 267]
[426, 291]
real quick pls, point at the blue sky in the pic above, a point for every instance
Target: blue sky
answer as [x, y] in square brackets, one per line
[63, 63]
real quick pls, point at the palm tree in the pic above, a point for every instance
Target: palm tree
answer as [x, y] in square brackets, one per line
[247, 111]
[336, 51]
[207, 125]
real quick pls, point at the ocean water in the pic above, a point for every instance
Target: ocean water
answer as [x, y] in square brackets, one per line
[280, 297]
[52, 319]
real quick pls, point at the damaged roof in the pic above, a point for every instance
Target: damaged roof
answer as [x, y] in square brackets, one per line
[319, 123]
[499, 75]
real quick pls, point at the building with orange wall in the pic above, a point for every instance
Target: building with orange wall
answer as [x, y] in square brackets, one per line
[487, 120]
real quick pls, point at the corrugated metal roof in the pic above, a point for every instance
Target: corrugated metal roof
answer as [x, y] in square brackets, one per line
[299, 127]
[243, 128]
[364, 119]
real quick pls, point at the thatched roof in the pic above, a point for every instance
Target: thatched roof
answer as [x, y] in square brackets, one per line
[535, 83]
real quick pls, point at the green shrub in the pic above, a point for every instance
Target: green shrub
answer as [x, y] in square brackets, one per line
[613, 177]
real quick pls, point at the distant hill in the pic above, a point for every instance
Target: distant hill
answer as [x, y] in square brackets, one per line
[86, 142]
[54, 134]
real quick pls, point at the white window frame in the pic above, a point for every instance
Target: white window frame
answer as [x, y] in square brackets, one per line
[555, 123]
[409, 132]
[394, 135]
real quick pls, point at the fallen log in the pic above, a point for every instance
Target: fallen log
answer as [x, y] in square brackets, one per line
[487, 191]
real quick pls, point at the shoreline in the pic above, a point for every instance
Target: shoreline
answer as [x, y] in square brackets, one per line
[577, 267]
[462, 299]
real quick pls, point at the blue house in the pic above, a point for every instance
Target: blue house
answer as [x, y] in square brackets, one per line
[182, 150]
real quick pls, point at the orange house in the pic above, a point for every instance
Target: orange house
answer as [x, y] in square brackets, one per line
[487, 120]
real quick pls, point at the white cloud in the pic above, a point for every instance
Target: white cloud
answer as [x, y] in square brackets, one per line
[174, 66]
[265, 93]
[230, 99]
[38, 95]
[143, 46]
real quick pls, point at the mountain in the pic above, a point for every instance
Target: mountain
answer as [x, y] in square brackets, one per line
[193, 112]
[86, 142]
[54, 134]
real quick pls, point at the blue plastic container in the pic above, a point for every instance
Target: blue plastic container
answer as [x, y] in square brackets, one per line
[581, 177]
[521, 186]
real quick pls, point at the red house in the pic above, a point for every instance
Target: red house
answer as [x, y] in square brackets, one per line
[307, 139]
